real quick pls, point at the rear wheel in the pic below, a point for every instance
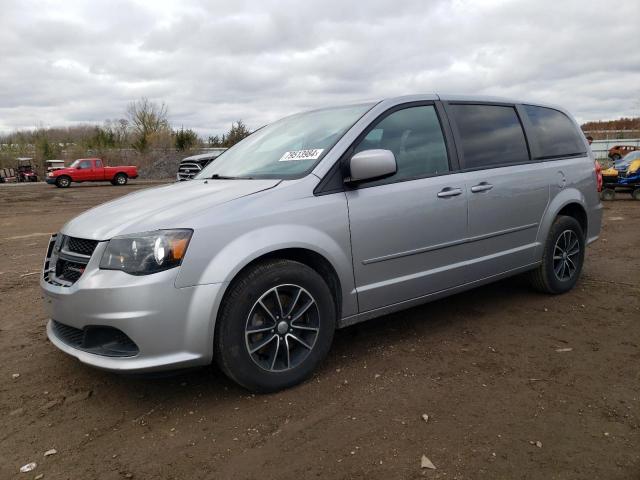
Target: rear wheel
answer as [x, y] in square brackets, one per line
[63, 182]
[120, 179]
[562, 258]
[608, 194]
[276, 325]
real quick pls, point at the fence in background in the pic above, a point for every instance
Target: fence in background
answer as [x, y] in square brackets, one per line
[600, 148]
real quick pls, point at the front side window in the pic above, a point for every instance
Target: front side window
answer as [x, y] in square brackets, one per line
[288, 148]
[554, 134]
[415, 137]
[85, 165]
[490, 135]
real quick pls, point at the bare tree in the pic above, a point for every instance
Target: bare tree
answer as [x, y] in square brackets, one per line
[148, 119]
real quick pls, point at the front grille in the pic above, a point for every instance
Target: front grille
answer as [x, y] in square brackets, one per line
[81, 245]
[188, 170]
[67, 259]
[69, 271]
[99, 340]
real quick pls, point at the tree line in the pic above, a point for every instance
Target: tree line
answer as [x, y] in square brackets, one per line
[145, 127]
[624, 123]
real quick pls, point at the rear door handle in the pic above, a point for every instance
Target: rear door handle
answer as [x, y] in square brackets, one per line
[449, 192]
[481, 187]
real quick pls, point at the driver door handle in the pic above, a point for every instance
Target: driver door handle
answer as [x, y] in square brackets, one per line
[449, 192]
[481, 187]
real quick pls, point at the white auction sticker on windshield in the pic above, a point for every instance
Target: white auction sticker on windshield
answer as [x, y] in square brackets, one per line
[311, 154]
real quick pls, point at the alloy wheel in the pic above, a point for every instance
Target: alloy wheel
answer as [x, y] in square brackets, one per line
[282, 328]
[565, 255]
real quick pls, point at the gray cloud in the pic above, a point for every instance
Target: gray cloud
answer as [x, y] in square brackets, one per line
[72, 62]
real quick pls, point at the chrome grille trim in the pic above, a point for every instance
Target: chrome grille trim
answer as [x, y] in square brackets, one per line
[66, 259]
[188, 170]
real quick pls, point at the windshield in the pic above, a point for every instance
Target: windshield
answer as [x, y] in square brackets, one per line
[288, 148]
[75, 164]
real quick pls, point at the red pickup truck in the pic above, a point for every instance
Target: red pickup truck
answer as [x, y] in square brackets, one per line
[91, 170]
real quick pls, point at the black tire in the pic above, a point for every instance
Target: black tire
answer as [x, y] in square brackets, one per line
[635, 194]
[257, 371]
[120, 179]
[545, 278]
[63, 181]
[608, 194]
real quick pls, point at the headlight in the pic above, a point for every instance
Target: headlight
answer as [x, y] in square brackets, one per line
[145, 253]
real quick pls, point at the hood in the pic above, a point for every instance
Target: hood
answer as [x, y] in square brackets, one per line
[61, 171]
[169, 206]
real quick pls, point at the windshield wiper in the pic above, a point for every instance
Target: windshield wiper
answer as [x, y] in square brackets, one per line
[215, 176]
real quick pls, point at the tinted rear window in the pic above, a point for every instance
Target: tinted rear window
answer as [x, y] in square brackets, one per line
[554, 135]
[491, 135]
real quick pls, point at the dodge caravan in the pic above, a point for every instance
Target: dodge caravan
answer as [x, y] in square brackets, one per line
[318, 221]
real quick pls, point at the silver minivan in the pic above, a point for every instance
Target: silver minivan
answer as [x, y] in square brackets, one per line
[318, 221]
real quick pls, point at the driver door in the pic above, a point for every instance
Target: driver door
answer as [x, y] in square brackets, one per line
[83, 171]
[407, 229]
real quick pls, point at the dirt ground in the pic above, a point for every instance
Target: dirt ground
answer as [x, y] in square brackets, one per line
[491, 368]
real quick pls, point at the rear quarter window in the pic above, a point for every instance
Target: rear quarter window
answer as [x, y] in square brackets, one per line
[552, 134]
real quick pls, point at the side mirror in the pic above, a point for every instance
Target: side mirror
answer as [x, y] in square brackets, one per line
[371, 164]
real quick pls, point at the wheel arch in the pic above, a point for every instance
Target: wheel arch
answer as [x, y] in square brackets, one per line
[569, 202]
[306, 256]
[577, 211]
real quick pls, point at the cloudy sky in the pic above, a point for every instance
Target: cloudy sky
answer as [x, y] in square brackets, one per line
[212, 62]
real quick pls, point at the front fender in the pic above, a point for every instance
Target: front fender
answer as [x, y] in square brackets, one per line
[244, 249]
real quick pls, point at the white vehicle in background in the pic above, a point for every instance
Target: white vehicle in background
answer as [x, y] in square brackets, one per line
[189, 167]
[52, 165]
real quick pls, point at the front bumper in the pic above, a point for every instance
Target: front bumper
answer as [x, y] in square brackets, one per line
[171, 327]
[51, 180]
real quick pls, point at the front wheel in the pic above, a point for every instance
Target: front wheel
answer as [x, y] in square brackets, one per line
[63, 182]
[562, 258]
[276, 326]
